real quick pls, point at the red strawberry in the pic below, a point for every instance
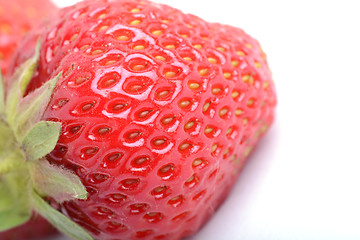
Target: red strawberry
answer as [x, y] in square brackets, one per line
[16, 18]
[159, 111]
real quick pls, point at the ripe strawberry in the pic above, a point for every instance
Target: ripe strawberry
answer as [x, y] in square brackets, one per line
[16, 18]
[159, 111]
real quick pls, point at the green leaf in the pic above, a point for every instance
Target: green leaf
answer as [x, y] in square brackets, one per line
[11, 218]
[31, 108]
[57, 219]
[13, 212]
[56, 182]
[2, 94]
[41, 139]
[20, 81]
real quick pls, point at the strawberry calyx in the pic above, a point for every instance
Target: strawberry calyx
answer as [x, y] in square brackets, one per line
[26, 177]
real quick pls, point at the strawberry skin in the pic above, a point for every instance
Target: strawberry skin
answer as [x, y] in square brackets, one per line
[17, 17]
[159, 109]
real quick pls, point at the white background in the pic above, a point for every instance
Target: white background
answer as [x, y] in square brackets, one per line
[303, 182]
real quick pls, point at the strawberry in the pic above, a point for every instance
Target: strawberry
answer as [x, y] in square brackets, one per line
[16, 18]
[158, 109]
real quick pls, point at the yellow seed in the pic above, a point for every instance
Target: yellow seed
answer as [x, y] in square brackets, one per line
[208, 130]
[102, 16]
[212, 60]
[194, 85]
[257, 64]
[184, 146]
[84, 47]
[227, 75]
[189, 25]
[110, 62]
[97, 52]
[74, 37]
[161, 58]
[248, 79]
[184, 35]
[221, 49]
[247, 151]
[139, 47]
[198, 46]
[138, 67]
[216, 90]
[229, 130]
[170, 74]
[223, 112]
[266, 85]
[235, 63]
[123, 38]
[165, 21]
[187, 58]
[226, 151]
[238, 112]
[206, 107]
[240, 53]
[197, 162]
[264, 128]
[103, 28]
[189, 125]
[214, 147]
[157, 32]
[135, 10]
[250, 102]
[245, 121]
[135, 22]
[235, 94]
[184, 104]
[171, 46]
[248, 45]
[203, 71]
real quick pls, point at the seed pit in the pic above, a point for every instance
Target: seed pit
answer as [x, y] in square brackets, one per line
[199, 163]
[109, 80]
[192, 181]
[238, 112]
[133, 135]
[161, 192]
[167, 120]
[129, 184]
[104, 130]
[176, 201]
[158, 142]
[138, 208]
[87, 106]
[223, 112]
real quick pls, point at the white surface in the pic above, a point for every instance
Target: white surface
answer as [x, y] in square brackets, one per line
[303, 180]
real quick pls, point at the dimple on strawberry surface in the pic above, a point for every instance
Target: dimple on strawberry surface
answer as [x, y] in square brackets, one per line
[159, 111]
[17, 17]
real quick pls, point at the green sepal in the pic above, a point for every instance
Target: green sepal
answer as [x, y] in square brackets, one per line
[14, 205]
[20, 81]
[11, 218]
[2, 95]
[57, 219]
[56, 182]
[31, 108]
[41, 139]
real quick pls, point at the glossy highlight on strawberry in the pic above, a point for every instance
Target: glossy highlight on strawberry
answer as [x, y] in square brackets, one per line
[159, 111]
